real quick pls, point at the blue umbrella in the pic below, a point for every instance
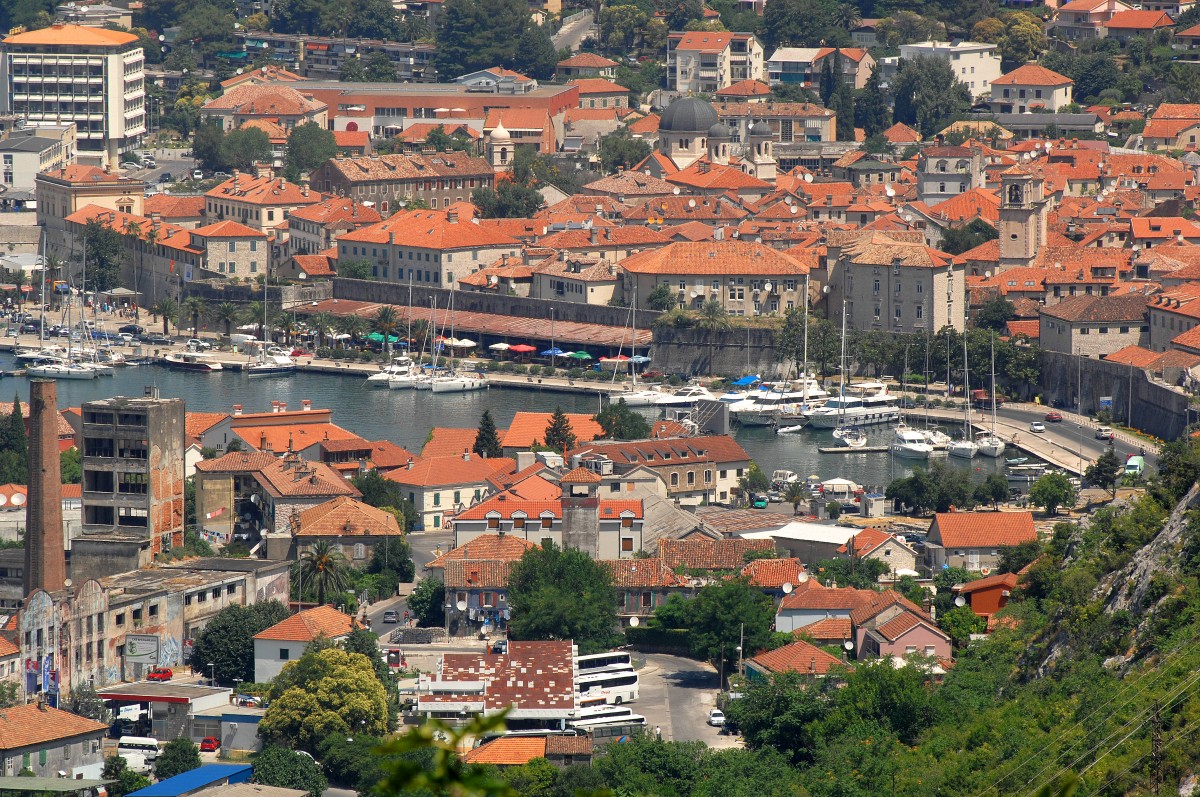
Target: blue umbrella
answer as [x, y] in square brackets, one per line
[639, 359]
[555, 352]
[747, 380]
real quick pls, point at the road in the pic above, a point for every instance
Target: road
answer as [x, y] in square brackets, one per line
[425, 548]
[574, 32]
[676, 695]
[169, 161]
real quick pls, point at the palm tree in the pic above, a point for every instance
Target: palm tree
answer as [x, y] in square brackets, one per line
[20, 279]
[168, 310]
[256, 313]
[713, 319]
[386, 323]
[286, 323]
[322, 324]
[324, 568]
[226, 313]
[193, 307]
[795, 493]
[847, 16]
[420, 331]
[352, 325]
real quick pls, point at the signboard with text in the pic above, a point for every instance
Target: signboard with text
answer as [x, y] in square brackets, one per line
[141, 649]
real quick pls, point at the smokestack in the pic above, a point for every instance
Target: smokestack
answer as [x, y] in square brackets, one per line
[45, 562]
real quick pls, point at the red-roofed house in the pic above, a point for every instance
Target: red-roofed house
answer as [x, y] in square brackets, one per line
[988, 595]
[441, 487]
[528, 428]
[259, 202]
[287, 640]
[315, 228]
[642, 585]
[583, 65]
[798, 657]
[1085, 19]
[704, 62]
[898, 555]
[597, 92]
[745, 91]
[509, 751]
[1031, 88]
[973, 540]
[349, 526]
[1125, 25]
[535, 680]
[810, 602]
[352, 143]
[892, 626]
[282, 104]
[771, 575]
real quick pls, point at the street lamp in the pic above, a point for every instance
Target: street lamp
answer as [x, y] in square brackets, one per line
[212, 673]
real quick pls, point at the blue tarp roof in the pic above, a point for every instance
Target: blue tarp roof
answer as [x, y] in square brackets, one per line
[196, 779]
[747, 380]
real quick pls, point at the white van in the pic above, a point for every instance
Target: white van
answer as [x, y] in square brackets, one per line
[137, 762]
[140, 745]
[242, 341]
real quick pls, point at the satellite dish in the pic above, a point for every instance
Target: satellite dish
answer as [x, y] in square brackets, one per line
[693, 294]
[787, 588]
[691, 203]
[4, 499]
[983, 571]
[767, 286]
[794, 210]
[824, 289]
[848, 645]
[960, 601]
[808, 178]
[804, 578]
[461, 606]
[889, 191]
[634, 622]
[67, 582]
[675, 190]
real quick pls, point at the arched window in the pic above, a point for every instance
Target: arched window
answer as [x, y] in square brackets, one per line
[1015, 195]
[360, 551]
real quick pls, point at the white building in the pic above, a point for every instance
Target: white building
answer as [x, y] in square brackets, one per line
[703, 62]
[287, 640]
[93, 77]
[1031, 88]
[976, 64]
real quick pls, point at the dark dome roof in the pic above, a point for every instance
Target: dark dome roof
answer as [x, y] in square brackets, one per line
[688, 115]
[720, 131]
[761, 129]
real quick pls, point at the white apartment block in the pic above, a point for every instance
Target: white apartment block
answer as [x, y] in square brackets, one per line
[976, 64]
[93, 77]
[703, 62]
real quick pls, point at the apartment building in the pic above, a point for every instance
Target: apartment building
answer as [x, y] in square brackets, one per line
[93, 77]
[1031, 88]
[703, 62]
[276, 103]
[315, 228]
[1086, 19]
[804, 66]
[391, 181]
[259, 202]
[975, 64]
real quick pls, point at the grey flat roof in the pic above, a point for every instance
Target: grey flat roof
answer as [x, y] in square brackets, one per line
[27, 144]
[47, 784]
[162, 691]
[227, 564]
[391, 89]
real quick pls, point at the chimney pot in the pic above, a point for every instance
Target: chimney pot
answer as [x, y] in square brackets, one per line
[237, 410]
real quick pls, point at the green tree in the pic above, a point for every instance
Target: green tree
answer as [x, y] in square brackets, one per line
[428, 602]
[1105, 472]
[533, 779]
[559, 435]
[842, 102]
[536, 56]
[70, 464]
[622, 150]
[619, 422]
[206, 145]
[387, 323]
[104, 249]
[755, 480]
[992, 490]
[227, 640]
[662, 298]
[850, 571]
[781, 713]
[956, 240]
[721, 617]
[355, 269]
[508, 201]
[995, 314]
[379, 68]
[208, 24]
[1024, 39]
[323, 693]
[1013, 558]
[324, 570]
[227, 314]
[353, 71]
[245, 147]
[796, 493]
[178, 756]
[927, 94]
[487, 442]
[308, 146]
[14, 447]
[287, 769]
[166, 309]
[366, 643]
[801, 23]
[960, 623]
[477, 35]
[872, 110]
[714, 321]
[393, 557]
[1052, 491]
[379, 491]
[562, 594]
[192, 308]
[120, 779]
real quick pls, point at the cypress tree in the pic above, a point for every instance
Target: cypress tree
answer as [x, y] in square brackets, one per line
[487, 442]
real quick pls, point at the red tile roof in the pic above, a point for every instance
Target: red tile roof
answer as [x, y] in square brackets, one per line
[588, 61]
[799, 656]
[305, 626]
[581, 475]
[528, 428]
[351, 138]
[257, 99]
[694, 554]
[531, 676]
[744, 88]
[983, 529]
[1002, 581]
[486, 546]
[613, 508]
[476, 573]
[508, 751]
[429, 229]
[866, 541]
[1139, 20]
[642, 573]
[30, 725]
[509, 506]
[773, 573]
[171, 207]
[1133, 355]
[466, 468]
[811, 595]
[595, 85]
[345, 517]
[878, 602]
[828, 629]
[1032, 75]
[448, 440]
[264, 191]
[714, 258]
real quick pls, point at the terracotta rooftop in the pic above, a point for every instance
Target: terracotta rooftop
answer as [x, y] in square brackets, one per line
[337, 209]
[486, 547]
[508, 751]
[581, 475]
[263, 191]
[410, 167]
[800, 657]
[642, 573]
[305, 626]
[531, 676]
[61, 35]
[1115, 308]
[811, 595]
[773, 573]
[269, 99]
[528, 428]
[476, 573]
[1002, 580]
[710, 554]
[509, 506]
[588, 61]
[171, 207]
[428, 229]
[1032, 75]
[345, 517]
[829, 628]
[714, 258]
[290, 476]
[447, 471]
[984, 529]
[30, 726]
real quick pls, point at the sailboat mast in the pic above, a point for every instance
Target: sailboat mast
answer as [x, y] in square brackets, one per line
[841, 369]
[804, 375]
[966, 393]
[993, 343]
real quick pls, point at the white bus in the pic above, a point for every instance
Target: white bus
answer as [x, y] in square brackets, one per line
[142, 745]
[616, 687]
[603, 711]
[604, 662]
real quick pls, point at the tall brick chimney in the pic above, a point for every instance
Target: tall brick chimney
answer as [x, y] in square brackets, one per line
[45, 561]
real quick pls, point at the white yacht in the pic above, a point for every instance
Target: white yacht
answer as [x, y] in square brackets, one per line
[190, 361]
[864, 403]
[684, 396]
[401, 366]
[911, 444]
[272, 365]
[646, 397]
[62, 370]
[990, 445]
[408, 381]
[967, 449]
[937, 438]
[41, 355]
[851, 437]
[457, 383]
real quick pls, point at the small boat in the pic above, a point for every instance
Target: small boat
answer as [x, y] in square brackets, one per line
[851, 437]
[401, 366]
[272, 365]
[190, 361]
[792, 429]
[1016, 461]
[457, 383]
[963, 448]
[938, 439]
[782, 477]
[911, 444]
[990, 445]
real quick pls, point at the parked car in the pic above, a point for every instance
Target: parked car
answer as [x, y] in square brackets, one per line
[1054, 416]
[197, 174]
[160, 674]
[716, 717]
[390, 616]
[500, 647]
[30, 329]
[132, 329]
[195, 344]
[125, 337]
[1104, 433]
[1037, 426]
[154, 339]
[210, 744]
[166, 177]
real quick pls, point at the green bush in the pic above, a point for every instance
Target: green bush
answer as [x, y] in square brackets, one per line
[575, 373]
[652, 637]
[534, 370]
[549, 370]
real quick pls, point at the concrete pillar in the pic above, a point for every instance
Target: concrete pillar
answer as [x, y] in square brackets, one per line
[45, 560]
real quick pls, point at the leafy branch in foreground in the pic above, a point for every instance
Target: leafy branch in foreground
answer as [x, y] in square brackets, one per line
[445, 773]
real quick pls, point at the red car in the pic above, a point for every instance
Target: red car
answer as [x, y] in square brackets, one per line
[210, 744]
[159, 674]
[1054, 416]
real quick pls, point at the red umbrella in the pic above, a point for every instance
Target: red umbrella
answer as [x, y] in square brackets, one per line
[523, 348]
[620, 358]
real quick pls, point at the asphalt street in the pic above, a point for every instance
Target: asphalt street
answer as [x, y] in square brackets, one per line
[425, 548]
[574, 32]
[676, 696]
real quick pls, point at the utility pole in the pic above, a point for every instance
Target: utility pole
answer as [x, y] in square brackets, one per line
[1156, 750]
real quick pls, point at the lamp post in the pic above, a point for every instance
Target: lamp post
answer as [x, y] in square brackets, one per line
[212, 673]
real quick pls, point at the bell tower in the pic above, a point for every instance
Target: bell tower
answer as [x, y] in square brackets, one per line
[1023, 212]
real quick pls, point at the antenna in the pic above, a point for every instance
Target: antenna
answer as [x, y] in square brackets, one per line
[787, 588]
[634, 622]
[960, 601]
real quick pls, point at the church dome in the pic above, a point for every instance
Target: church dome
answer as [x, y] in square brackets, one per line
[688, 115]
[720, 131]
[761, 129]
[499, 134]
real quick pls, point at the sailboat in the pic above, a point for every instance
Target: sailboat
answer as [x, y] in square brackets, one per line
[965, 448]
[636, 397]
[990, 445]
[850, 436]
[455, 382]
[270, 364]
[63, 367]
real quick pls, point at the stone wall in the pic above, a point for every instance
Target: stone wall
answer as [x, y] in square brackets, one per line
[742, 351]
[1157, 409]
[479, 302]
[217, 291]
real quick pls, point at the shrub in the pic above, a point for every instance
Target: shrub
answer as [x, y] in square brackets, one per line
[534, 370]
[575, 373]
[549, 370]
